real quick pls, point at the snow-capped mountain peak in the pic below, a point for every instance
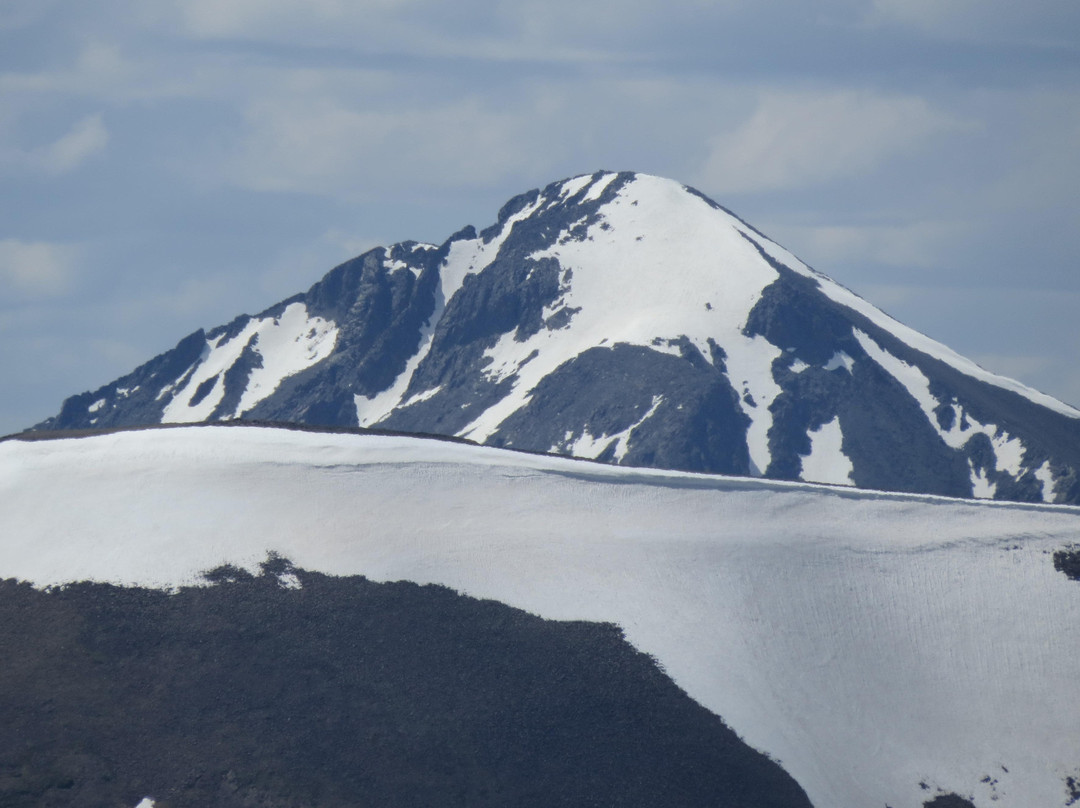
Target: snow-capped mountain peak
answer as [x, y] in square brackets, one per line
[626, 318]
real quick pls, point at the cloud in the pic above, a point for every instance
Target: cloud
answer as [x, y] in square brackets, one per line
[1053, 372]
[925, 14]
[36, 268]
[97, 69]
[1014, 366]
[910, 245]
[16, 14]
[798, 139]
[358, 133]
[1038, 131]
[88, 137]
[418, 27]
[117, 69]
[244, 18]
[1047, 23]
[555, 31]
[327, 145]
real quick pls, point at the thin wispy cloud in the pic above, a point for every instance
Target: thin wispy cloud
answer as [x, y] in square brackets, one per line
[1045, 23]
[795, 139]
[915, 245]
[324, 146]
[36, 269]
[86, 138]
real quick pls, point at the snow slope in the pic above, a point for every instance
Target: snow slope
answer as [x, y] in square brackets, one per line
[870, 642]
[285, 345]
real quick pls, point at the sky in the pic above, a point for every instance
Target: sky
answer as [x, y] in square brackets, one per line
[167, 166]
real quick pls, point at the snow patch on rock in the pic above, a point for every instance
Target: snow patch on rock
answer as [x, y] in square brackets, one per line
[909, 336]
[840, 360]
[1008, 450]
[1046, 477]
[827, 462]
[692, 254]
[422, 396]
[465, 257]
[286, 345]
[981, 487]
[573, 186]
[590, 447]
[598, 187]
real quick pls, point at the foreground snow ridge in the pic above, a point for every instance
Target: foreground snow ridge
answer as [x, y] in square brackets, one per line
[869, 642]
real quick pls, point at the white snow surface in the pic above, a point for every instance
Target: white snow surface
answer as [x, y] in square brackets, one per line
[574, 186]
[1046, 477]
[981, 487]
[827, 462]
[665, 252]
[598, 187]
[840, 360]
[867, 641]
[588, 445]
[286, 344]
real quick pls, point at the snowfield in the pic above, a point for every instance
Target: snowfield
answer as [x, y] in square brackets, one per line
[884, 648]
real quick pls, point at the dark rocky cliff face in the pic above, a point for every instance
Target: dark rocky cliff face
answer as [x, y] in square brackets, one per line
[534, 334]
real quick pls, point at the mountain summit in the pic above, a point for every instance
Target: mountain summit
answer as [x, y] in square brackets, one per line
[626, 318]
